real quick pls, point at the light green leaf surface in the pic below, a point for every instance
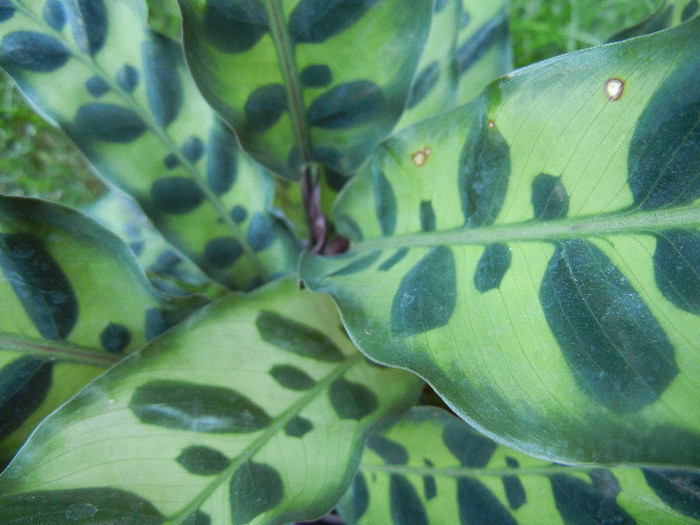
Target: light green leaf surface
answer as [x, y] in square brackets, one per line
[73, 301]
[541, 267]
[306, 80]
[669, 14]
[253, 410]
[124, 95]
[430, 467]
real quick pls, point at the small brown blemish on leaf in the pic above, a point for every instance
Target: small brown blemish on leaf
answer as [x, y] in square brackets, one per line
[613, 89]
[492, 124]
[419, 157]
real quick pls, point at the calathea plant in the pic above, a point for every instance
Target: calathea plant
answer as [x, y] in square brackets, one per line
[528, 247]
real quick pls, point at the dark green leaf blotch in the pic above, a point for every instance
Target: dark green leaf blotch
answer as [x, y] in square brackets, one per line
[427, 216]
[424, 83]
[358, 264]
[346, 105]
[392, 261]
[54, 14]
[255, 488]
[96, 86]
[664, 154]
[24, 385]
[298, 338]
[32, 51]
[515, 491]
[127, 78]
[609, 337]
[405, 503]
[265, 106]
[6, 11]
[356, 503]
[581, 503]
[549, 198]
[477, 504]
[292, 377]
[679, 489]
[484, 170]
[198, 518]
[176, 195]
[298, 427]
[88, 20]
[689, 10]
[390, 451]
[94, 505]
[223, 252]
[471, 449]
[193, 148]
[198, 408]
[234, 27]
[40, 284]
[351, 400]
[493, 265]
[203, 461]
[161, 59]
[486, 36]
[677, 268]
[384, 202]
[426, 296]
[314, 21]
[316, 75]
[261, 232]
[108, 123]
[221, 163]
[115, 337]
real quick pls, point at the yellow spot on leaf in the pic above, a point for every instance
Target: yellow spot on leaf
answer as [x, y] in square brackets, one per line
[419, 157]
[613, 89]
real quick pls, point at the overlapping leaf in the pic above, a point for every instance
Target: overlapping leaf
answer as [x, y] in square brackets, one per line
[540, 267]
[306, 80]
[123, 94]
[669, 14]
[253, 410]
[430, 467]
[73, 301]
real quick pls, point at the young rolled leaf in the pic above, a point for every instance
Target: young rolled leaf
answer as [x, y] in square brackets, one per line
[73, 301]
[253, 410]
[535, 255]
[306, 80]
[124, 95]
[430, 467]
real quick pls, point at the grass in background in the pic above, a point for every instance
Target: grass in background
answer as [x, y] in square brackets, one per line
[37, 160]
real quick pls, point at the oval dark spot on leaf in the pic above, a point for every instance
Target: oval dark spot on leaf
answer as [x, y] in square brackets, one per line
[265, 106]
[549, 198]
[292, 377]
[392, 261]
[157, 322]
[580, 502]
[615, 346]
[358, 264]
[351, 400]
[484, 170]
[203, 461]
[439, 5]
[492, 266]
[314, 21]
[488, 35]
[176, 195]
[664, 154]
[356, 503]
[391, 452]
[198, 408]
[223, 252]
[171, 161]
[298, 427]
[477, 504]
[115, 337]
[239, 214]
[427, 216]
[384, 201]
[515, 491]
[261, 232]
[679, 489]
[422, 302]
[193, 148]
[32, 51]
[316, 75]
[96, 86]
[198, 518]
[88, 20]
[106, 505]
[255, 488]
[471, 449]
[689, 10]
[234, 27]
[46, 293]
[127, 78]
[108, 123]
[54, 14]
[429, 487]
[346, 105]
[161, 60]
[677, 268]
[424, 83]
[405, 503]
[221, 164]
[24, 385]
[296, 337]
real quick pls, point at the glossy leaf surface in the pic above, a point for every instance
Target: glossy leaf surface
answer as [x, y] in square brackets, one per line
[253, 410]
[125, 97]
[73, 301]
[540, 268]
[430, 467]
[306, 80]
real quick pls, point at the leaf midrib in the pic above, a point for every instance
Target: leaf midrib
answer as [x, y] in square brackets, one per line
[617, 223]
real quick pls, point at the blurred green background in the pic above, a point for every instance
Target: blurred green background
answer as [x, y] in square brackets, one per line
[37, 160]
